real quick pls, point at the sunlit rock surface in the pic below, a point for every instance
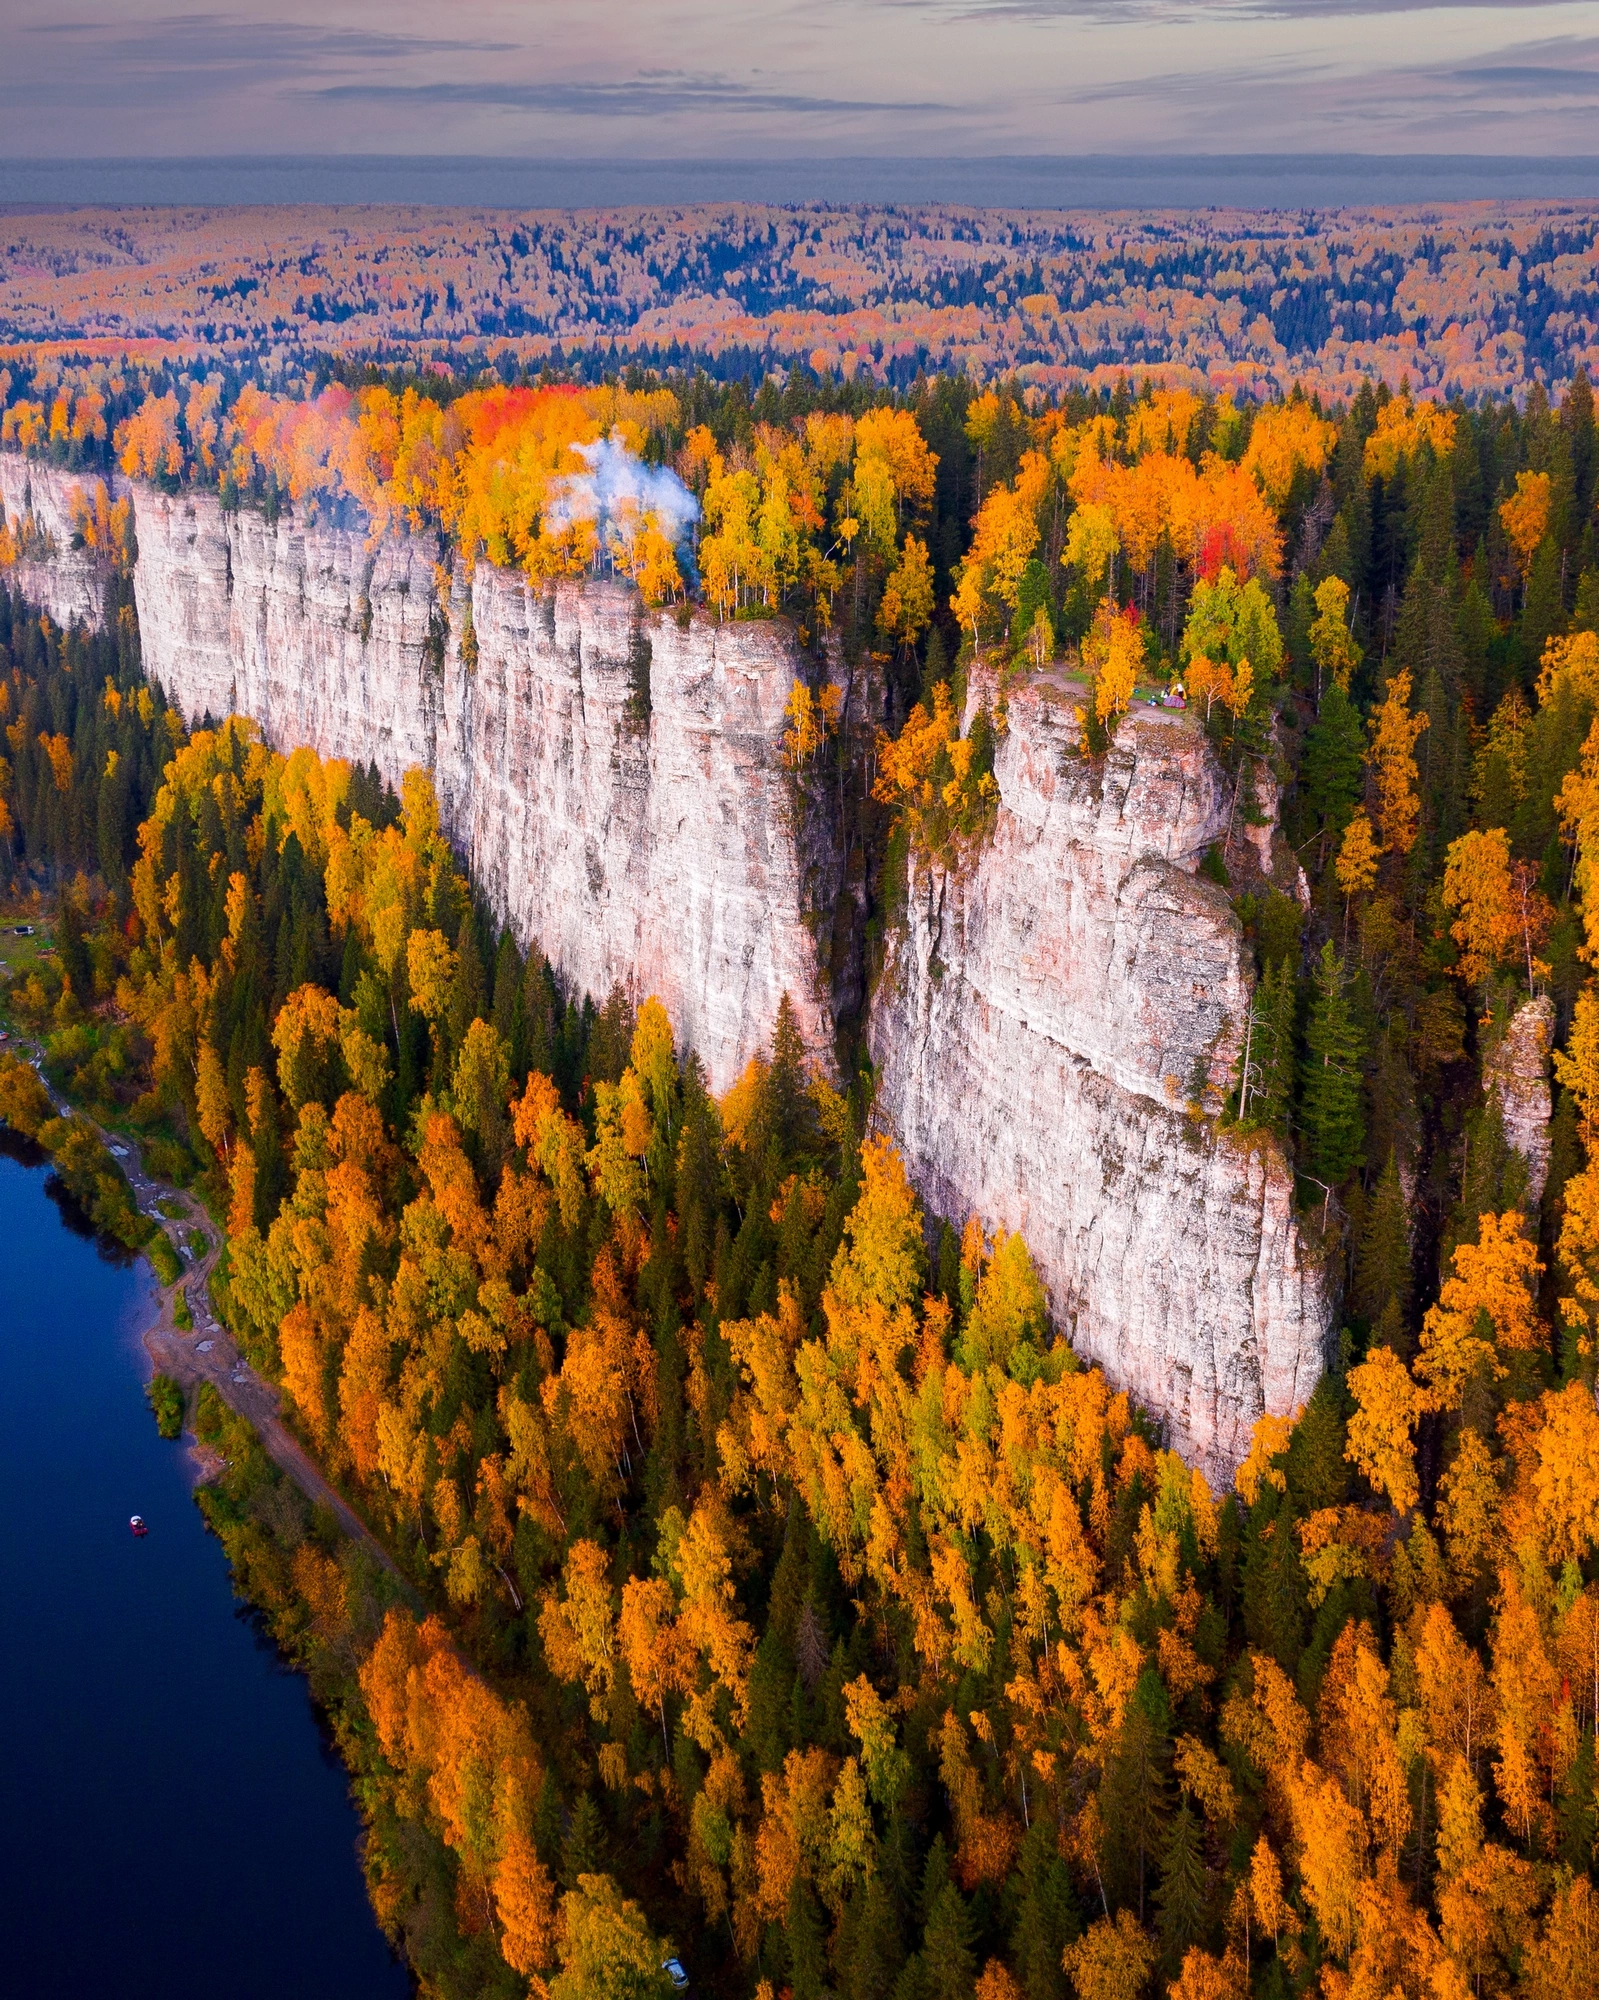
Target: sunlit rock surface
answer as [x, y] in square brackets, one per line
[612, 778]
[1517, 1069]
[1049, 1017]
[1046, 1017]
[68, 583]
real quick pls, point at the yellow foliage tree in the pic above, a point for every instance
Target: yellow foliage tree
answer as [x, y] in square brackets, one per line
[1525, 516]
[1392, 758]
[1485, 1308]
[1358, 855]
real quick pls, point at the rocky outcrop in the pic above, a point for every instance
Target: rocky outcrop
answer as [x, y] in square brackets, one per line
[1056, 1019]
[1051, 1023]
[1516, 1070]
[612, 777]
[40, 507]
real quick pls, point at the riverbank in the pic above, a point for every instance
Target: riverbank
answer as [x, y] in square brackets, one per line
[205, 1351]
[176, 1824]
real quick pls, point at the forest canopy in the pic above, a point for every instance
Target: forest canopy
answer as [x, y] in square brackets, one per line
[778, 1581]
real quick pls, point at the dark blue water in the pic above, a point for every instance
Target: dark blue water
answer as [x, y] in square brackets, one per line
[172, 1824]
[1088, 181]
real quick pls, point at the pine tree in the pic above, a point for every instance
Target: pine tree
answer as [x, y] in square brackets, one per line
[547, 1823]
[469, 990]
[1133, 1792]
[72, 951]
[1577, 1807]
[1426, 636]
[583, 1849]
[1275, 1591]
[504, 1009]
[1316, 1469]
[1543, 613]
[1330, 1108]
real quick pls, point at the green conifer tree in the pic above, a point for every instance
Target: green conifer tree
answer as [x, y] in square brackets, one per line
[1180, 1898]
[1269, 1049]
[869, 1953]
[1046, 1917]
[791, 1109]
[1382, 1264]
[1333, 773]
[1330, 1108]
[948, 1969]
[806, 1935]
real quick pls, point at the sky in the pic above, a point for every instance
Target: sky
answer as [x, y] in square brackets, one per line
[780, 79]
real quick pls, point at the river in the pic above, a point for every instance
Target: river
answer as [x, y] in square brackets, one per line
[173, 1823]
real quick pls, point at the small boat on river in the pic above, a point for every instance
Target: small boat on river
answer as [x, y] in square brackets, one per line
[137, 1525]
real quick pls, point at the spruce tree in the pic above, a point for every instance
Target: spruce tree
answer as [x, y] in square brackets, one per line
[583, 1849]
[870, 1953]
[1382, 1265]
[1330, 1108]
[1314, 1464]
[807, 1958]
[1046, 1917]
[1542, 612]
[948, 1969]
[505, 1010]
[1276, 1592]
[1427, 634]
[1181, 1895]
[1270, 1048]
[1333, 773]
[1132, 1799]
[790, 1107]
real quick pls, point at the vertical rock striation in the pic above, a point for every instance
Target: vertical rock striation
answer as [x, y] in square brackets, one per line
[1044, 1018]
[612, 777]
[39, 505]
[1516, 1069]
[1046, 1014]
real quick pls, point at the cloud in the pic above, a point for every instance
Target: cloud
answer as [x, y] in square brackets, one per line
[625, 79]
[649, 95]
[193, 58]
[204, 41]
[1130, 13]
[1525, 76]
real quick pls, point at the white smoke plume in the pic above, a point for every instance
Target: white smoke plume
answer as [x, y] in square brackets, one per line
[617, 491]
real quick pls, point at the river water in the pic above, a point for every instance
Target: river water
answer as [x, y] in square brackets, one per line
[172, 1822]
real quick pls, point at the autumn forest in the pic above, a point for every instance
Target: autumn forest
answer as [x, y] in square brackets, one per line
[768, 1579]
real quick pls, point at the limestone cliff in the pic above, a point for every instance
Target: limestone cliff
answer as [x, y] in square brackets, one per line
[37, 504]
[612, 777]
[1516, 1069]
[1046, 1014]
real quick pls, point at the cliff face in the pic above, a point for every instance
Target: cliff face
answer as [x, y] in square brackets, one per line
[38, 505]
[614, 781]
[612, 778]
[1042, 1021]
[1517, 1070]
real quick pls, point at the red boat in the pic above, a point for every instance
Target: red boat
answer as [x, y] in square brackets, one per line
[137, 1525]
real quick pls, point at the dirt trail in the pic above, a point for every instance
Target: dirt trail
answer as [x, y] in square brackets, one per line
[208, 1352]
